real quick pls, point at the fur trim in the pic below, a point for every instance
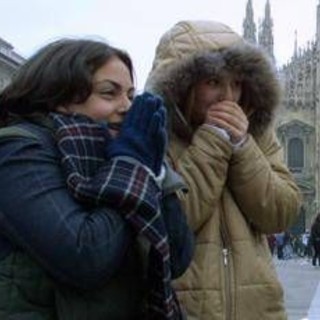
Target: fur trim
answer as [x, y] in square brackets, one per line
[261, 88]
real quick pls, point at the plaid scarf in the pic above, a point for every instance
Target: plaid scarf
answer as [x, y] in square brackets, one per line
[124, 186]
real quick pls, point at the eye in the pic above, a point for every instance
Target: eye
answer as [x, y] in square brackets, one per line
[107, 94]
[107, 91]
[213, 82]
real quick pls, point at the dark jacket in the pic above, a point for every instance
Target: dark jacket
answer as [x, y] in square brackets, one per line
[59, 259]
[315, 231]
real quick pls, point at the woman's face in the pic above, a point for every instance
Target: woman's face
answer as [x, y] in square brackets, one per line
[112, 95]
[211, 91]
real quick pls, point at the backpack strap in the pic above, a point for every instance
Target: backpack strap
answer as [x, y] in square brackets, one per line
[16, 131]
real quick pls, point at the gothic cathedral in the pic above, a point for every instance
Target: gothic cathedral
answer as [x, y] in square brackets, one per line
[298, 121]
[9, 62]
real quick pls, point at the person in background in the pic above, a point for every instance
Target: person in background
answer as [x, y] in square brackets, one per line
[271, 242]
[287, 245]
[91, 227]
[222, 95]
[315, 240]
[297, 245]
[280, 244]
[307, 252]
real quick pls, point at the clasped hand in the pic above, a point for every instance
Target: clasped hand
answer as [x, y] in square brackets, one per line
[229, 116]
[143, 133]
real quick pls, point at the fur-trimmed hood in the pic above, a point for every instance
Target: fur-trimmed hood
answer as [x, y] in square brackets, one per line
[195, 50]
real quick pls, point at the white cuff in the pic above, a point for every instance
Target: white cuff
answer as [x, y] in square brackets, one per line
[158, 179]
[239, 144]
[221, 132]
[224, 134]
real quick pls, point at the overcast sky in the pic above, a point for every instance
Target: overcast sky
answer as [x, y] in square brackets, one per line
[136, 25]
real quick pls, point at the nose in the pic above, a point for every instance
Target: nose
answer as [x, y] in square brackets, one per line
[125, 104]
[227, 93]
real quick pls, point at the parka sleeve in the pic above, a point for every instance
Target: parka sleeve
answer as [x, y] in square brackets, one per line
[204, 167]
[262, 185]
[75, 244]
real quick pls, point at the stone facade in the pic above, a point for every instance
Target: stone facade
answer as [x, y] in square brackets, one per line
[298, 120]
[9, 62]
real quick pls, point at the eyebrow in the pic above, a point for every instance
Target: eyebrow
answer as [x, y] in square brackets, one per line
[107, 81]
[114, 83]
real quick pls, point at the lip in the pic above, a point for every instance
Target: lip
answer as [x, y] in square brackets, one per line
[115, 125]
[114, 128]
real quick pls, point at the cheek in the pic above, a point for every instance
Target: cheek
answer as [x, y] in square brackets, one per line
[203, 99]
[198, 115]
[102, 111]
[237, 96]
[200, 100]
[207, 96]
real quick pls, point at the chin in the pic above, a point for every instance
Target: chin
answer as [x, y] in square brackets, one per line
[113, 133]
[114, 128]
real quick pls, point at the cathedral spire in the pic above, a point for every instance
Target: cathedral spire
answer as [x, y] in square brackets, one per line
[318, 27]
[265, 33]
[295, 53]
[249, 27]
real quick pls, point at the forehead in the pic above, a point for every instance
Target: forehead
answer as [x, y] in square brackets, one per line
[218, 82]
[226, 75]
[114, 70]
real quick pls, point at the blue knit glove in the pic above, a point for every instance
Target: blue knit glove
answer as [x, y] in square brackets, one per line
[143, 133]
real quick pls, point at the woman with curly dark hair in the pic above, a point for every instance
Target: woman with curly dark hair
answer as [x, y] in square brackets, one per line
[90, 226]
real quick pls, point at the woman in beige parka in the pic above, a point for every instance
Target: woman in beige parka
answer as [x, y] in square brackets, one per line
[222, 96]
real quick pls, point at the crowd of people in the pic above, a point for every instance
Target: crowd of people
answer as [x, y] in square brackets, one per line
[287, 245]
[151, 206]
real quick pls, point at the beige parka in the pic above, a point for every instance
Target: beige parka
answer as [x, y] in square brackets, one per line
[236, 196]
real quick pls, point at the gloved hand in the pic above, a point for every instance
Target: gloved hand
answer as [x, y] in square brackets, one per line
[143, 133]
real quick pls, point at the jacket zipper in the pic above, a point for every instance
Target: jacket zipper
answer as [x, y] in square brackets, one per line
[227, 267]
